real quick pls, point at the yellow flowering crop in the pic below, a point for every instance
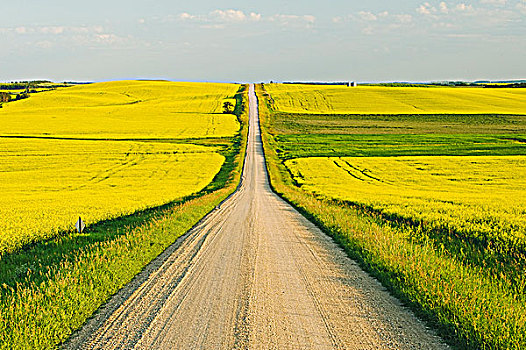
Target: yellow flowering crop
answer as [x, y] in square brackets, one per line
[396, 100]
[77, 151]
[479, 196]
[47, 184]
[124, 109]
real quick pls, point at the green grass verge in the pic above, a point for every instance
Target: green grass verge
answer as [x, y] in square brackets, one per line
[468, 305]
[49, 289]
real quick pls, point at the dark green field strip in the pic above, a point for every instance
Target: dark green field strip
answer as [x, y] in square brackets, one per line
[296, 146]
[295, 123]
[494, 119]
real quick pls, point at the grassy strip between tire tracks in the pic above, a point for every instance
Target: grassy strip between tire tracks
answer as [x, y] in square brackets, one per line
[469, 307]
[68, 278]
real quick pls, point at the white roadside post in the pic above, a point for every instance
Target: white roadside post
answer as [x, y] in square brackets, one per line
[80, 226]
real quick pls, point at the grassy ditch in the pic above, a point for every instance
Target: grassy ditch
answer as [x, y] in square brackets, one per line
[49, 289]
[470, 305]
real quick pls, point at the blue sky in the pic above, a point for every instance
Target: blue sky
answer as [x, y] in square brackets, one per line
[265, 40]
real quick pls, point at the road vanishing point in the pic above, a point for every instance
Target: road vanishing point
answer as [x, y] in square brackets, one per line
[254, 274]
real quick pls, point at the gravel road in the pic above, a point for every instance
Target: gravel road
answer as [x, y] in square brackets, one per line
[254, 274]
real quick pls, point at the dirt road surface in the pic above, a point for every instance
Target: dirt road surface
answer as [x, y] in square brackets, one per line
[254, 274]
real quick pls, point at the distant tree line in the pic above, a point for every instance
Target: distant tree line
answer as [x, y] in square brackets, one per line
[315, 83]
[401, 84]
[486, 85]
[459, 83]
[453, 84]
[13, 86]
[33, 84]
[514, 85]
[67, 83]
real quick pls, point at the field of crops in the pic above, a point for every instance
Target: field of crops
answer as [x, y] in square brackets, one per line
[406, 168]
[104, 150]
[395, 100]
[123, 110]
[47, 184]
[423, 186]
[482, 197]
[311, 145]
[400, 124]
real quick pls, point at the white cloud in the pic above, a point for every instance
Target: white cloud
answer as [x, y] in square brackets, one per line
[490, 16]
[107, 38]
[186, 16]
[228, 15]
[384, 17]
[52, 30]
[464, 7]
[367, 16]
[255, 16]
[46, 37]
[293, 19]
[221, 16]
[86, 30]
[380, 22]
[426, 9]
[443, 7]
[442, 16]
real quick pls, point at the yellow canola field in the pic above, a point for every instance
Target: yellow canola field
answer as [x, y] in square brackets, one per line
[47, 184]
[297, 98]
[481, 197]
[124, 109]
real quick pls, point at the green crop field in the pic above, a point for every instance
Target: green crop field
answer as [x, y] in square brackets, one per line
[424, 186]
[402, 124]
[140, 161]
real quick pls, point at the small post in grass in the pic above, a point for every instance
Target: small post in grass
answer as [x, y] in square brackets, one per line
[80, 226]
